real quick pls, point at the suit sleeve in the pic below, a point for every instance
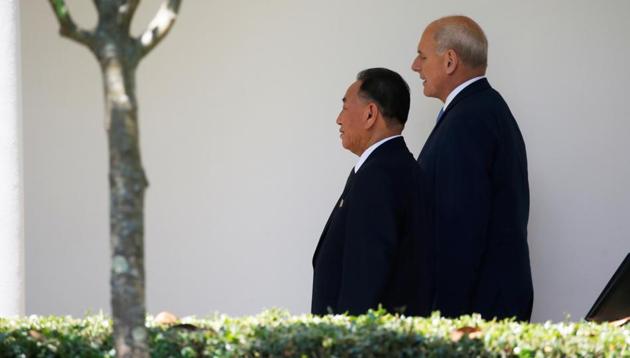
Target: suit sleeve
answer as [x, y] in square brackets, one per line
[371, 240]
[463, 201]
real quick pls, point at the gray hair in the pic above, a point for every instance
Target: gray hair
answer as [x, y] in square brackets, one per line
[465, 37]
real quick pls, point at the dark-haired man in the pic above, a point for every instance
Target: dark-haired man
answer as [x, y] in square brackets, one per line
[372, 250]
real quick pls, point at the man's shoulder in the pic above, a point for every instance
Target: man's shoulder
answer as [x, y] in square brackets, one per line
[485, 98]
[485, 108]
[391, 168]
[390, 157]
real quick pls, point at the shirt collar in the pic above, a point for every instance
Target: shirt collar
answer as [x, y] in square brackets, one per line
[369, 151]
[458, 89]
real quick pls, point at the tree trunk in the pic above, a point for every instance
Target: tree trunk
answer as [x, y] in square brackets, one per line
[127, 184]
[119, 54]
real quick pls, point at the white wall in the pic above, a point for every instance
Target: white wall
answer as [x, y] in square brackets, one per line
[238, 109]
[12, 298]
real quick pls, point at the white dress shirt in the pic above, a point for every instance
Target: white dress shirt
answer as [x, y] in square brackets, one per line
[369, 151]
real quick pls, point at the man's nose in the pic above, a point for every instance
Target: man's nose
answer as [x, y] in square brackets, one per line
[415, 65]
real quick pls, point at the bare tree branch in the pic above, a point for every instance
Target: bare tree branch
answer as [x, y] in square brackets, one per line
[120, 11]
[159, 26]
[133, 5]
[67, 27]
[126, 10]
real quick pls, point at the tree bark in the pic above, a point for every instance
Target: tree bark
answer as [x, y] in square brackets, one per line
[127, 184]
[119, 55]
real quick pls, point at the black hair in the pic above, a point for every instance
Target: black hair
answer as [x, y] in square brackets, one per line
[389, 90]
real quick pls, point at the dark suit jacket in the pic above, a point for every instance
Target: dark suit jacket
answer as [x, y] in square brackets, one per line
[476, 169]
[372, 250]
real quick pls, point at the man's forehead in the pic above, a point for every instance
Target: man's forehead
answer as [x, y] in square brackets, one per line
[352, 90]
[427, 36]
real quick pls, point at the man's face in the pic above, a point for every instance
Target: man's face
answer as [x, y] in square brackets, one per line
[352, 120]
[430, 65]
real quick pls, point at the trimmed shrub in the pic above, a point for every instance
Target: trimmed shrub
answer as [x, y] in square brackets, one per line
[276, 333]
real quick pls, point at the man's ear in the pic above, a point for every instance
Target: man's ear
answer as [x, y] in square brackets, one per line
[451, 61]
[371, 113]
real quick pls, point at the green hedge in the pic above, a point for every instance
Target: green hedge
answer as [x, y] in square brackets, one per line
[277, 334]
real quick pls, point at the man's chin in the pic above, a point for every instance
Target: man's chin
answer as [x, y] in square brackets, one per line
[348, 148]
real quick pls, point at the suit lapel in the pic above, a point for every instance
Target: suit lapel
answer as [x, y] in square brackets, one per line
[339, 204]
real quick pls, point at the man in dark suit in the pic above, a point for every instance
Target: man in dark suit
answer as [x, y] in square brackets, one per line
[371, 251]
[476, 171]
